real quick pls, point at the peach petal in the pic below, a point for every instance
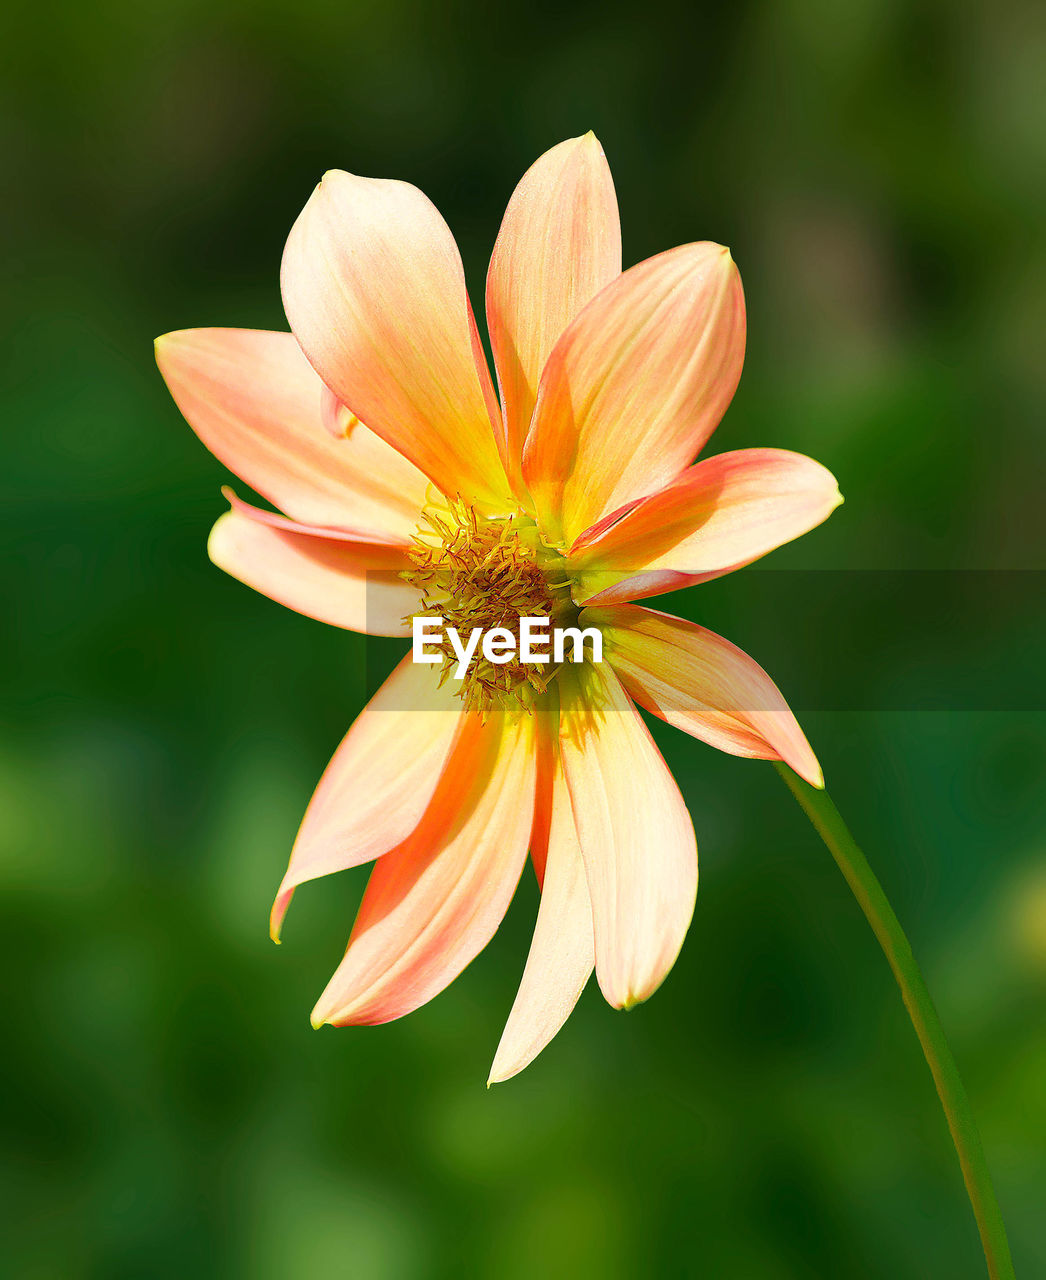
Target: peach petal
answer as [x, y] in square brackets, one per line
[635, 386]
[546, 742]
[636, 837]
[317, 572]
[562, 953]
[380, 781]
[434, 903]
[702, 684]
[719, 515]
[375, 292]
[258, 405]
[559, 244]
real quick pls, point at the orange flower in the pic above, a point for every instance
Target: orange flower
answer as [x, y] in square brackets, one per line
[571, 495]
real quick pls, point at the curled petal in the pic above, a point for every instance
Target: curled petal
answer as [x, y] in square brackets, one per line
[338, 420]
[321, 573]
[562, 953]
[375, 292]
[636, 837]
[635, 386]
[702, 684]
[258, 405]
[436, 901]
[720, 514]
[559, 244]
[380, 781]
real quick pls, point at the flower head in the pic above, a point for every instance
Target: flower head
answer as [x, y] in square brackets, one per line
[410, 488]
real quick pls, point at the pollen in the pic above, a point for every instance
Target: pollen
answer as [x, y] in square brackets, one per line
[479, 571]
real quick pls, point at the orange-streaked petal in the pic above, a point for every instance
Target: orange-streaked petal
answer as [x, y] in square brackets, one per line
[559, 244]
[435, 902]
[635, 387]
[636, 836]
[375, 292]
[720, 514]
[380, 781]
[546, 742]
[702, 684]
[562, 953]
[317, 572]
[258, 405]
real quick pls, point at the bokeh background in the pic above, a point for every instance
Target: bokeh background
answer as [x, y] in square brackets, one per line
[878, 168]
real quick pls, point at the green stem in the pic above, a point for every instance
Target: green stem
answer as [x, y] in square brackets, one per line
[866, 889]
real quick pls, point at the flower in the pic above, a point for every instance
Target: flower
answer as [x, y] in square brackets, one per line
[409, 486]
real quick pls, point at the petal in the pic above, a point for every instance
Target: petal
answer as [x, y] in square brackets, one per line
[636, 836]
[720, 514]
[562, 953]
[635, 386]
[380, 781]
[559, 244]
[546, 727]
[436, 901]
[703, 685]
[258, 405]
[317, 572]
[375, 292]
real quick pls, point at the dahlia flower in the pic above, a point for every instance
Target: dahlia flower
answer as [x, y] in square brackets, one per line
[407, 486]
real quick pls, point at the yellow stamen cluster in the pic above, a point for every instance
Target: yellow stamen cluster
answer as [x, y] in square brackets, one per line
[478, 571]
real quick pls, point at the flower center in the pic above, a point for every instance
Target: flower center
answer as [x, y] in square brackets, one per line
[475, 571]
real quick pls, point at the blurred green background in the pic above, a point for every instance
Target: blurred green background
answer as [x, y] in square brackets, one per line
[878, 168]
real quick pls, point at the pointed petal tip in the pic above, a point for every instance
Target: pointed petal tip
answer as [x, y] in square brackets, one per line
[278, 913]
[502, 1071]
[588, 141]
[802, 761]
[807, 768]
[164, 344]
[633, 999]
[504, 1068]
